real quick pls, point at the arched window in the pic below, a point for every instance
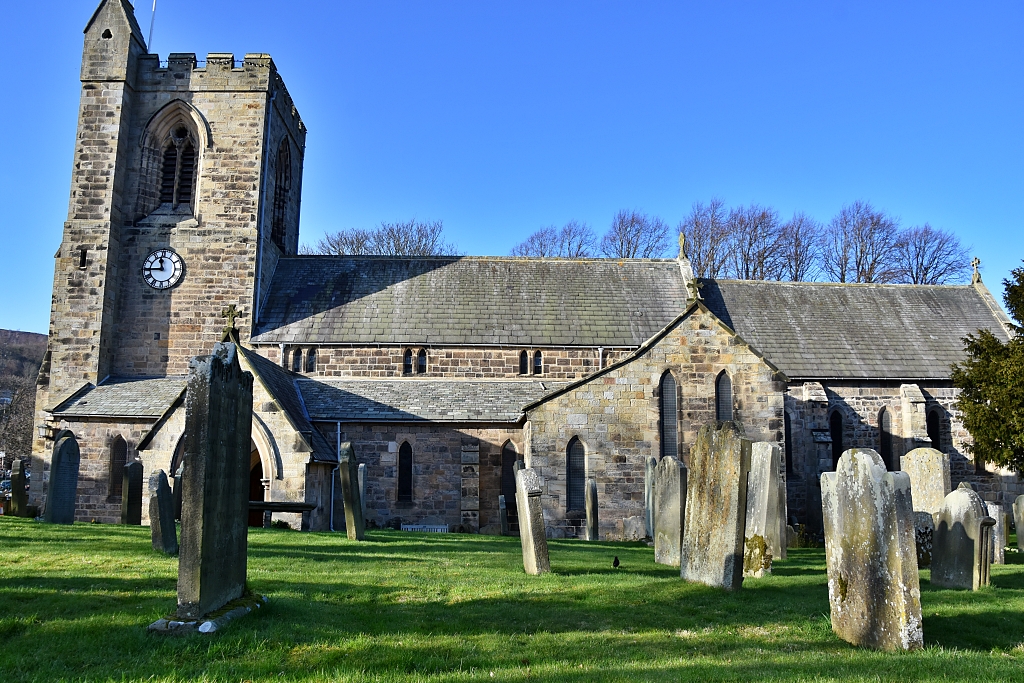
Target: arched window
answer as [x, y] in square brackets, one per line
[538, 363]
[509, 456]
[524, 363]
[118, 459]
[405, 473]
[723, 397]
[788, 435]
[421, 362]
[178, 168]
[311, 360]
[407, 362]
[885, 438]
[296, 360]
[669, 411]
[935, 429]
[282, 188]
[835, 428]
[575, 475]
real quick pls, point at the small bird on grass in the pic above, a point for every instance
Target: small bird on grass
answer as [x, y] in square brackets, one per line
[615, 562]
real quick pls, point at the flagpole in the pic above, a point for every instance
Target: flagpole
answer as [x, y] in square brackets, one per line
[152, 20]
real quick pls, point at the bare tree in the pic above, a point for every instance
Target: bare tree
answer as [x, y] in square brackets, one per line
[800, 248]
[860, 245]
[706, 234]
[575, 239]
[755, 236]
[404, 238]
[16, 414]
[927, 256]
[635, 235]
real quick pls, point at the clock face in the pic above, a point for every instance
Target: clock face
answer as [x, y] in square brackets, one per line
[163, 269]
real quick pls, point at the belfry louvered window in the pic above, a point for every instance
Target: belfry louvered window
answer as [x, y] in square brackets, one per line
[669, 416]
[723, 397]
[407, 362]
[178, 168]
[835, 428]
[524, 363]
[575, 475]
[118, 459]
[885, 437]
[405, 473]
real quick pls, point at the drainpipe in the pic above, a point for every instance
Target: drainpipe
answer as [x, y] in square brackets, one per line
[334, 473]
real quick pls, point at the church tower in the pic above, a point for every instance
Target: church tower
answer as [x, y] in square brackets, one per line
[185, 192]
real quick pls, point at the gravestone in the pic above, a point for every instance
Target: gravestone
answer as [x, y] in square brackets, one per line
[593, 533]
[870, 554]
[60, 501]
[928, 470]
[716, 507]
[362, 489]
[503, 516]
[961, 551]
[19, 496]
[762, 542]
[215, 483]
[349, 469]
[650, 469]
[999, 535]
[161, 514]
[634, 528]
[669, 510]
[531, 522]
[924, 537]
[131, 494]
[1018, 521]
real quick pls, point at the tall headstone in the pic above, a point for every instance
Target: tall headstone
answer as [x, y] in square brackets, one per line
[503, 516]
[873, 583]
[650, 469]
[19, 496]
[716, 507]
[362, 489]
[131, 494]
[349, 468]
[215, 483]
[593, 531]
[531, 522]
[999, 533]
[928, 470]
[161, 514]
[60, 499]
[961, 551]
[669, 510]
[1018, 520]
[762, 542]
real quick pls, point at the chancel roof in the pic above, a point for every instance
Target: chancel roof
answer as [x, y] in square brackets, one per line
[836, 331]
[475, 300]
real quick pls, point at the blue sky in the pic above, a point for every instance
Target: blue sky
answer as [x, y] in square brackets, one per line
[502, 117]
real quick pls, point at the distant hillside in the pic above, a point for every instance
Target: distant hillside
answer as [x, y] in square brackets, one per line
[20, 356]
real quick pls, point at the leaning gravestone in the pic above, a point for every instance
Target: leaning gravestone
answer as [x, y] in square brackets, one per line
[650, 471]
[716, 507]
[215, 483]
[762, 542]
[60, 501]
[995, 511]
[503, 516]
[669, 510]
[928, 470]
[1018, 520]
[354, 525]
[19, 496]
[873, 583]
[591, 506]
[961, 551]
[531, 522]
[131, 494]
[161, 514]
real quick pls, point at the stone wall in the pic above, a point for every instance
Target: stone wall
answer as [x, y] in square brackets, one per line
[616, 415]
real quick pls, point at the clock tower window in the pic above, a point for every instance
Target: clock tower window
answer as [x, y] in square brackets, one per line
[178, 169]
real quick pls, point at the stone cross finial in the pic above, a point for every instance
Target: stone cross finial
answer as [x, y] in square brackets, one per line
[682, 246]
[695, 286]
[230, 331]
[976, 278]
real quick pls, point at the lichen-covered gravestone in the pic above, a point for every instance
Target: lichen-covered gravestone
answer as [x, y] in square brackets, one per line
[349, 468]
[961, 550]
[762, 542]
[1018, 520]
[19, 496]
[161, 514]
[650, 472]
[873, 583]
[716, 507]
[215, 483]
[999, 534]
[531, 522]
[669, 510]
[131, 494]
[63, 488]
[593, 533]
[928, 470]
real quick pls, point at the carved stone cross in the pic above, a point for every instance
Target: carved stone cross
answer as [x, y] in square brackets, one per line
[975, 262]
[695, 286]
[231, 314]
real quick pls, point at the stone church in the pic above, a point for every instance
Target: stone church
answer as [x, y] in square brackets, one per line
[442, 371]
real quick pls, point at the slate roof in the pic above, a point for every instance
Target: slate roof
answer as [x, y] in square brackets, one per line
[416, 400]
[124, 397]
[470, 300]
[832, 331]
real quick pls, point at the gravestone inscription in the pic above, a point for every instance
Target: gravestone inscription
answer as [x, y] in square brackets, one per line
[63, 488]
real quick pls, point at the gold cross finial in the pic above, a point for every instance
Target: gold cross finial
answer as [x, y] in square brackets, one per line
[975, 262]
[230, 332]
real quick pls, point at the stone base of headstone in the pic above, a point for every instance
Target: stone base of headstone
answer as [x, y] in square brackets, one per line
[234, 610]
[634, 528]
[531, 522]
[924, 536]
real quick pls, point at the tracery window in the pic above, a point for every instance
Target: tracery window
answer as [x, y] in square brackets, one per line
[178, 168]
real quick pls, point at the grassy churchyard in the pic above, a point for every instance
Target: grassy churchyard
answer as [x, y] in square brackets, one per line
[75, 602]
